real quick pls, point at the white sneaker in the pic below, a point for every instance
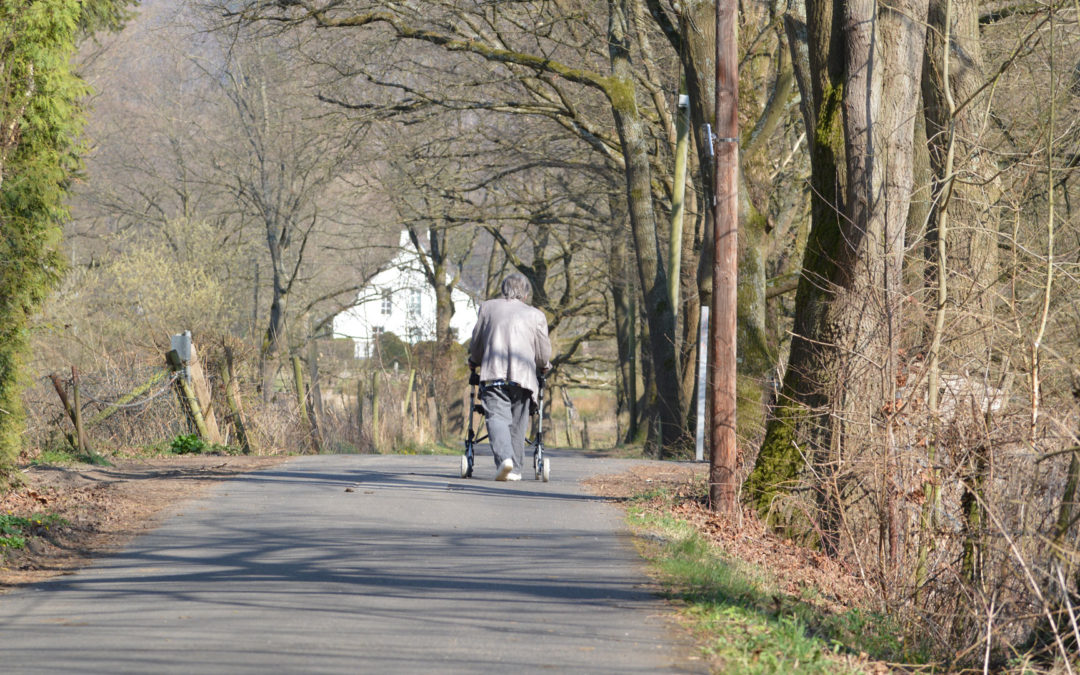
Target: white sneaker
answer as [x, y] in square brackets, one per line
[505, 470]
[514, 475]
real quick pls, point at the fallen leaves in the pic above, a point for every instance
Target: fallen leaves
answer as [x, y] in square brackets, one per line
[798, 571]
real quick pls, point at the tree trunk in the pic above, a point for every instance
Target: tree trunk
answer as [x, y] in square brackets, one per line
[648, 430]
[659, 313]
[690, 305]
[963, 223]
[820, 77]
[315, 402]
[863, 63]
[435, 261]
[275, 326]
[622, 295]
[971, 198]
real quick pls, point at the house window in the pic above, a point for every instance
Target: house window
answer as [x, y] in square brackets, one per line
[386, 303]
[414, 301]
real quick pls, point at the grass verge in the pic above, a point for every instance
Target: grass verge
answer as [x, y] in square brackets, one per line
[745, 623]
[65, 456]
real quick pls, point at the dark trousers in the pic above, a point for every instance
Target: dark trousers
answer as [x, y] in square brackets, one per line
[507, 410]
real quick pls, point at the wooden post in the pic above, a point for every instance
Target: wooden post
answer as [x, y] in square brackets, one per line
[76, 406]
[568, 406]
[722, 329]
[408, 393]
[188, 400]
[549, 417]
[201, 387]
[232, 398]
[359, 408]
[433, 417]
[375, 410]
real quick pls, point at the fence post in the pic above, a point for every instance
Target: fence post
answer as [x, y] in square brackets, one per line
[359, 409]
[408, 394]
[232, 398]
[201, 387]
[433, 417]
[188, 401]
[568, 406]
[375, 410]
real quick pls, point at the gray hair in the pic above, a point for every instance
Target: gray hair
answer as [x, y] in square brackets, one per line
[516, 287]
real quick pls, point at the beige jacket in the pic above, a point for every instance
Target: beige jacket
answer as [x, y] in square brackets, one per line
[510, 342]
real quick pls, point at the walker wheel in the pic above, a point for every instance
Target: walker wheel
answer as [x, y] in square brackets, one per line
[547, 470]
[465, 467]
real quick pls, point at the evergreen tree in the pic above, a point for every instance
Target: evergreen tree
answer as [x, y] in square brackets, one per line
[40, 120]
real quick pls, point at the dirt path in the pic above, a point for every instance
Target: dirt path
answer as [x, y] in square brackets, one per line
[104, 507]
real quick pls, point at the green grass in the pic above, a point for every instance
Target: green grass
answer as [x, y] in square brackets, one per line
[63, 455]
[56, 456]
[16, 530]
[745, 624]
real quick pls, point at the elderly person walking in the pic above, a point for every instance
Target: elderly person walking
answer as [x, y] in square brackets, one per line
[509, 345]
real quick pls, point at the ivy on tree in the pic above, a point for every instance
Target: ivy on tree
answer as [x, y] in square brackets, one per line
[41, 116]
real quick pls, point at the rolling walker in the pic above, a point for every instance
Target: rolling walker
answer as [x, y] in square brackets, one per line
[541, 465]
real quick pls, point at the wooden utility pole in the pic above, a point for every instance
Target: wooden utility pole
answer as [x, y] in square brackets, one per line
[722, 487]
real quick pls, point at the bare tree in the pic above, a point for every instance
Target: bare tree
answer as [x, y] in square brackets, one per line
[232, 135]
[490, 37]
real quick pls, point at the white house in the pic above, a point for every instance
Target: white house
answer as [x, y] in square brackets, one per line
[400, 300]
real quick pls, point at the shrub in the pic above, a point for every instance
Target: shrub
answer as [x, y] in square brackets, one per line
[187, 444]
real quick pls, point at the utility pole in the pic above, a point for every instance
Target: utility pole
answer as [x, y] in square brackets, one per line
[722, 487]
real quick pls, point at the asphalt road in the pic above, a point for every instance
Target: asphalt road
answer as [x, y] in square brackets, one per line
[362, 564]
